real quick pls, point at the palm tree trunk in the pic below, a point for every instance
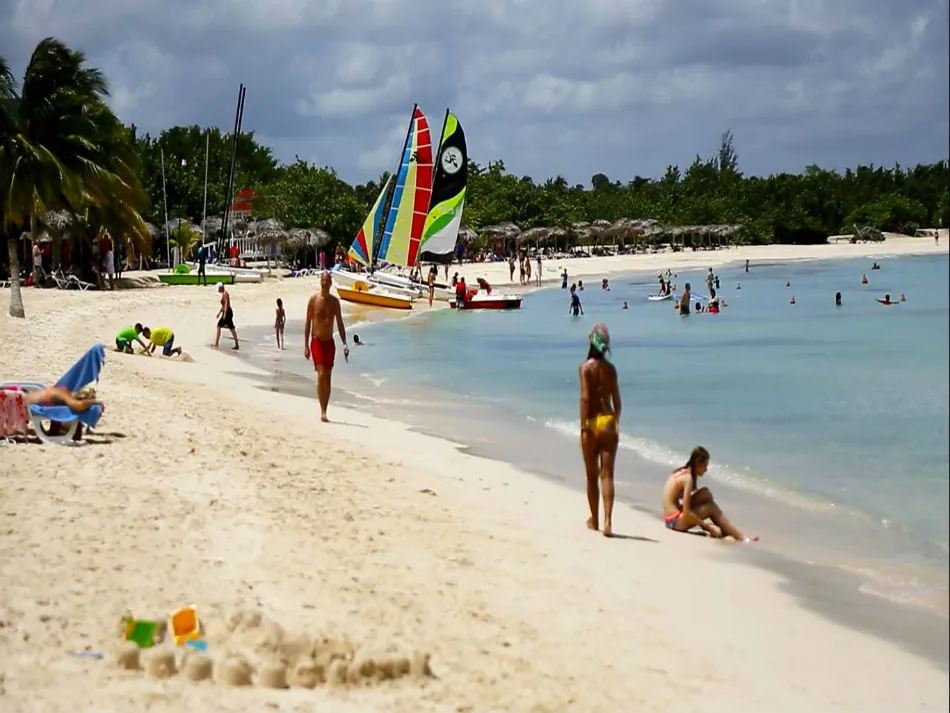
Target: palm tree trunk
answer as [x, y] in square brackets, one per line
[16, 298]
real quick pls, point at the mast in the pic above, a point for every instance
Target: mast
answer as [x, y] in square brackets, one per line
[438, 155]
[412, 119]
[229, 184]
[204, 207]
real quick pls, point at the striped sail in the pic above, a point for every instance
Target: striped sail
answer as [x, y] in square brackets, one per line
[362, 248]
[448, 194]
[402, 234]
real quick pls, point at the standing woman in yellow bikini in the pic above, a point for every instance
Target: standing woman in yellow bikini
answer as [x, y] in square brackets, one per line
[600, 419]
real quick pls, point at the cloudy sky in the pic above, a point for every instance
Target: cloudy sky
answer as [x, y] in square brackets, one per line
[566, 87]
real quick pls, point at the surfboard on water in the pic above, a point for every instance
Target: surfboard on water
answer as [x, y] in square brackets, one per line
[660, 298]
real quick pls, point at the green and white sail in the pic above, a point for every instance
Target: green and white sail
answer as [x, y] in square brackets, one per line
[440, 234]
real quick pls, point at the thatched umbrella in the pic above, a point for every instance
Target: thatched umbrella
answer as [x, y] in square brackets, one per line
[534, 235]
[212, 225]
[59, 222]
[506, 231]
[466, 234]
[318, 238]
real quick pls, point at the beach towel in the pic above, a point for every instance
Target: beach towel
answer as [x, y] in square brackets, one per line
[83, 372]
[13, 418]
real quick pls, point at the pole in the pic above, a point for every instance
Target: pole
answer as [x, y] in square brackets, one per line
[229, 183]
[168, 247]
[204, 208]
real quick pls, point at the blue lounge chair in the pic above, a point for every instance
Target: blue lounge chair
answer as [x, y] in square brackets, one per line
[82, 373]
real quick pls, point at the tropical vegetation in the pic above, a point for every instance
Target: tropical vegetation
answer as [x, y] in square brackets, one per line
[68, 166]
[63, 149]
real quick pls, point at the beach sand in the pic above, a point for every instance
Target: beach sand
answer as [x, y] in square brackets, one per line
[200, 487]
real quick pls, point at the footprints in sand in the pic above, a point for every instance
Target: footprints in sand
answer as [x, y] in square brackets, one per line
[249, 650]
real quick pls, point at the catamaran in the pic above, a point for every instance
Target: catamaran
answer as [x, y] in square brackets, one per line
[423, 217]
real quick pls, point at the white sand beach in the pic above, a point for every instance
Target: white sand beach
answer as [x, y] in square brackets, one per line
[200, 487]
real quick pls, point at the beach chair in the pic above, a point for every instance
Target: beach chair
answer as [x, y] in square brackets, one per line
[73, 281]
[15, 419]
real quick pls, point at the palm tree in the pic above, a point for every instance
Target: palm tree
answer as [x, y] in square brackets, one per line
[61, 147]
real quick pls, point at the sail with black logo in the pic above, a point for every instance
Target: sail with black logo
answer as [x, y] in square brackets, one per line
[440, 234]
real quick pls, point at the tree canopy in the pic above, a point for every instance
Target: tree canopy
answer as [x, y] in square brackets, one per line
[805, 207]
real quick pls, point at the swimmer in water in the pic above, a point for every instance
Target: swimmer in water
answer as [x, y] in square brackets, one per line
[837, 299]
[357, 341]
[886, 300]
[600, 419]
[864, 279]
[788, 283]
[792, 301]
[903, 299]
[624, 305]
[686, 506]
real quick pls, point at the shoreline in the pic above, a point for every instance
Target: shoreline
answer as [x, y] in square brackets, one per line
[861, 545]
[437, 568]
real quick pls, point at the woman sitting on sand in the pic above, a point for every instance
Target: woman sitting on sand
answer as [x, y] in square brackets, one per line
[685, 506]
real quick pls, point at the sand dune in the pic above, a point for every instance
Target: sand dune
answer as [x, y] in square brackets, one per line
[200, 487]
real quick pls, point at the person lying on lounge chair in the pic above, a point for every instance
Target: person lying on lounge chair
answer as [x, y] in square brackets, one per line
[80, 401]
[161, 337]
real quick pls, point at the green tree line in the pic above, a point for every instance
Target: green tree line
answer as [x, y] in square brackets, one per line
[805, 207]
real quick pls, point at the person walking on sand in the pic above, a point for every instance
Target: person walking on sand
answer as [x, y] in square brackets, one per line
[686, 506]
[323, 310]
[430, 281]
[600, 421]
[225, 318]
[280, 319]
[539, 269]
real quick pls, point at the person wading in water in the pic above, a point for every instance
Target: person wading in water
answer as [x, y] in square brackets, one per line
[600, 420]
[323, 310]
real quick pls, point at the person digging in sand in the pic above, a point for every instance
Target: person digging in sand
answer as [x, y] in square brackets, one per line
[600, 419]
[125, 338]
[685, 506]
[323, 310]
[225, 317]
[161, 337]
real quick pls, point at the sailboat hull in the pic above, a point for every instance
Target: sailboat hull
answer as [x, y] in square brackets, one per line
[372, 298]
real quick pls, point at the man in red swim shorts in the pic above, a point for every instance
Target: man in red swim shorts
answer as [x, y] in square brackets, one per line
[323, 310]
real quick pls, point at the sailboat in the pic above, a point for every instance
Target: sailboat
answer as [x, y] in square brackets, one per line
[444, 216]
[403, 226]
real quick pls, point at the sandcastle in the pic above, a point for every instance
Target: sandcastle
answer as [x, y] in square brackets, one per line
[250, 650]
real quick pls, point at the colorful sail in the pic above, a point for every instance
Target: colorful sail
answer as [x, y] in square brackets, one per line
[402, 235]
[448, 194]
[362, 248]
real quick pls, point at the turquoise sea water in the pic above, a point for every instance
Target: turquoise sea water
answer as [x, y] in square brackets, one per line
[828, 425]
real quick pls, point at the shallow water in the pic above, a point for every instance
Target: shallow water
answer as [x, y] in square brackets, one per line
[830, 424]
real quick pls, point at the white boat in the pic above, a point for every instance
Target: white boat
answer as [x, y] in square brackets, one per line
[488, 300]
[442, 293]
[660, 298]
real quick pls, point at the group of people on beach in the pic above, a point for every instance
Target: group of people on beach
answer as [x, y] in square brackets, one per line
[158, 337]
[686, 505]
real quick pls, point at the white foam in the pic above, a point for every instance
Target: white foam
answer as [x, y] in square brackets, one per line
[741, 478]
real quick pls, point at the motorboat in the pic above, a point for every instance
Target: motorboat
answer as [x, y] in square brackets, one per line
[483, 297]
